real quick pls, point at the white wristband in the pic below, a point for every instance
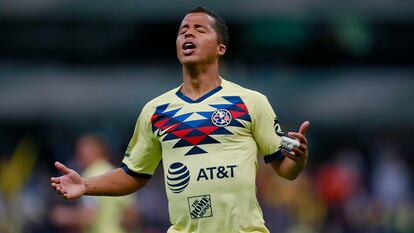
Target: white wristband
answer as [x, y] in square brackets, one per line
[289, 143]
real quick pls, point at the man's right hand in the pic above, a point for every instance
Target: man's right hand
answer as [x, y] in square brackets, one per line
[70, 185]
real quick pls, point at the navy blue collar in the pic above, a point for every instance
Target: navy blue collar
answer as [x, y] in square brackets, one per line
[205, 96]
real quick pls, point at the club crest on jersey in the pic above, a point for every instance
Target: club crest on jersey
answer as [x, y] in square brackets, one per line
[221, 117]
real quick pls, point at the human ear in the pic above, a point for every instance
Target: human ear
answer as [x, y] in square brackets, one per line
[221, 49]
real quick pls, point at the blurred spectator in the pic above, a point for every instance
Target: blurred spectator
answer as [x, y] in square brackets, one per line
[391, 183]
[338, 183]
[290, 206]
[13, 195]
[96, 214]
[391, 177]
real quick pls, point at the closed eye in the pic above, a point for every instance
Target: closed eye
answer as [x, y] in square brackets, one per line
[201, 28]
[183, 29]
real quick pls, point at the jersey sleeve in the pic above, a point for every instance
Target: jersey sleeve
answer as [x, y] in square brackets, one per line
[266, 129]
[144, 149]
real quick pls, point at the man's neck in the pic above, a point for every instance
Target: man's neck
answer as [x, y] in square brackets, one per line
[198, 81]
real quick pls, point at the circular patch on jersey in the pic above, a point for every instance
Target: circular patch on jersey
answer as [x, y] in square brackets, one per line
[178, 177]
[221, 117]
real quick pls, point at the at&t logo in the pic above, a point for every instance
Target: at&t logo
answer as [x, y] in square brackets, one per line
[178, 177]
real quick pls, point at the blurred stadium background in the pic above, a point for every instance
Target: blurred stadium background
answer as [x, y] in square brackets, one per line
[74, 67]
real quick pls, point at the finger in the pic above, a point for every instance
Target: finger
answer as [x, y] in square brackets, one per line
[290, 154]
[292, 157]
[58, 188]
[62, 168]
[55, 186]
[61, 191]
[298, 136]
[298, 152]
[67, 196]
[286, 152]
[304, 127]
[303, 146]
[55, 180]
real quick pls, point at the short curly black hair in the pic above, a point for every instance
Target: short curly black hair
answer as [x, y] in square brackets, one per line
[219, 26]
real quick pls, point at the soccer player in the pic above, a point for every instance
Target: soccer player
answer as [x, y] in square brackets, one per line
[208, 133]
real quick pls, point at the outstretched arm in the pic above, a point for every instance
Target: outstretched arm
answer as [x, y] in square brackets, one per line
[113, 183]
[295, 160]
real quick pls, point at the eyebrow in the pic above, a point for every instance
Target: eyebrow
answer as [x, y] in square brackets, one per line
[200, 26]
[184, 26]
[196, 26]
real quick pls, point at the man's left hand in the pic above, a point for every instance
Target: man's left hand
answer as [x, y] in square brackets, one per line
[299, 154]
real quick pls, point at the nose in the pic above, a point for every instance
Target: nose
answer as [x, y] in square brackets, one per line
[188, 33]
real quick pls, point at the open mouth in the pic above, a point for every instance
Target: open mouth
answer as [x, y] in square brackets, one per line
[188, 48]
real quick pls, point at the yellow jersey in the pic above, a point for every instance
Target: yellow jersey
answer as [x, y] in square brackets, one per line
[209, 149]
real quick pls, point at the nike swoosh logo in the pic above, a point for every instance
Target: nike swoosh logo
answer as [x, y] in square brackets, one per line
[163, 132]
